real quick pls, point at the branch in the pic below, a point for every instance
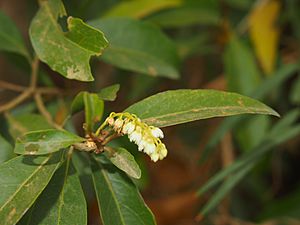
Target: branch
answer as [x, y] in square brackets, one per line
[41, 107]
[12, 87]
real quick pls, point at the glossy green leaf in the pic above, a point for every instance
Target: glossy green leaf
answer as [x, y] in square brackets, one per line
[138, 46]
[6, 150]
[109, 93]
[61, 203]
[45, 141]
[23, 123]
[140, 8]
[10, 37]
[119, 201]
[22, 179]
[93, 109]
[69, 53]
[122, 159]
[181, 106]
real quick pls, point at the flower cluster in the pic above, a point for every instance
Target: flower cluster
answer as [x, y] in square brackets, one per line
[146, 137]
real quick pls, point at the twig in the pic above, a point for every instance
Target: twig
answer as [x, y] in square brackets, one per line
[41, 107]
[12, 87]
[34, 72]
[16, 101]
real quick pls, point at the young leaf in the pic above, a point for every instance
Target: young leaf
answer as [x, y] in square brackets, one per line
[181, 106]
[22, 179]
[122, 159]
[140, 8]
[6, 150]
[61, 203]
[93, 108]
[109, 93]
[119, 200]
[45, 141]
[138, 46]
[10, 37]
[68, 54]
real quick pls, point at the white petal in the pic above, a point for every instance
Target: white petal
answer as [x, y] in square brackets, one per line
[154, 157]
[156, 132]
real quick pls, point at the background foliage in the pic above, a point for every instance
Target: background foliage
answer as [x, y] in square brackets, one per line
[238, 170]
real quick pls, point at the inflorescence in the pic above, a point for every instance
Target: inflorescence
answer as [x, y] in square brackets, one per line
[146, 137]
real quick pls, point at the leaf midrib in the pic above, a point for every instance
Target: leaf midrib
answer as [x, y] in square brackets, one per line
[112, 192]
[23, 183]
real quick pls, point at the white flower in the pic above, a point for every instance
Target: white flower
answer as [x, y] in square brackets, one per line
[162, 151]
[149, 148]
[118, 124]
[156, 132]
[128, 128]
[154, 157]
[136, 135]
[110, 121]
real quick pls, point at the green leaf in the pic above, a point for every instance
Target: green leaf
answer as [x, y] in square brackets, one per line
[185, 16]
[10, 37]
[22, 179]
[45, 141]
[138, 46]
[93, 108]
[119, 201]
[122, 159]
[295, 96]
[61, 203]
[6, 150]
[69, 53]
[109, 93]
[181, 106]
[140, 8]
[23, 123]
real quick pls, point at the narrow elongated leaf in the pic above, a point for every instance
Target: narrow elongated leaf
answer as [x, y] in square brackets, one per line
[140, 8]
[61, 203]
[181, 106]
[45, 141]
[22, 179]
[122, 159]
[68, 54]
[109, 93]
[138, 46]
[6, 150]
[119, 200]
[10, 37]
